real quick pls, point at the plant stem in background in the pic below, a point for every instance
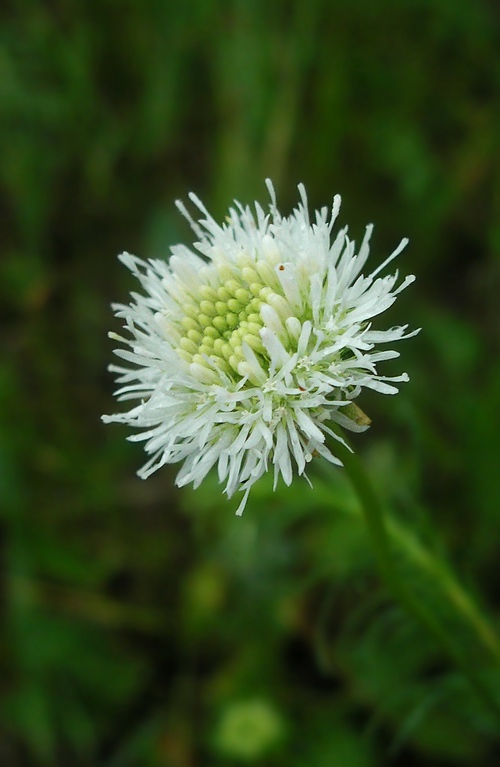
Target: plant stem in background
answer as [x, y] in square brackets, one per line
[382, 536]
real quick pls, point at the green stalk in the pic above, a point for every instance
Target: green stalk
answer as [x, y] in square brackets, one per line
[374, 516]
[427, 562]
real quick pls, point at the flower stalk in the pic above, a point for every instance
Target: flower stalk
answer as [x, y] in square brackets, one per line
[383, 546]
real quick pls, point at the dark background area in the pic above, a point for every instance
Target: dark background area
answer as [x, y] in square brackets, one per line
[148, 626]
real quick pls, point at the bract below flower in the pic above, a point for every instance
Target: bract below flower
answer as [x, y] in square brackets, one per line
[248, 347]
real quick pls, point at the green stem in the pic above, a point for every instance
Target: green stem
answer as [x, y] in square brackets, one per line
[375, 521]
[435, 569]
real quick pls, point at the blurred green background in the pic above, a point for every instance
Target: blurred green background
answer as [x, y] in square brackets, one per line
[145, 626]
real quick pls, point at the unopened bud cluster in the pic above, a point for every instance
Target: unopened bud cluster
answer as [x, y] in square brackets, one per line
[223, 319]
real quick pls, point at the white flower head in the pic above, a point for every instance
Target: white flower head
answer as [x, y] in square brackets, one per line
[247, 346]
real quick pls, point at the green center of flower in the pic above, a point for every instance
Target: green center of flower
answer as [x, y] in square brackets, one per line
[221, 317]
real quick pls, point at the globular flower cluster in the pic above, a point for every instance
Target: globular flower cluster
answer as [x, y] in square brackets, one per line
[249, 348]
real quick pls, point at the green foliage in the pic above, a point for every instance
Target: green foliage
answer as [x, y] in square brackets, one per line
[148, 626]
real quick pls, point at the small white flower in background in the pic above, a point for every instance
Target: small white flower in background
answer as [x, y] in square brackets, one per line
[248, 729]
[244, 351]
